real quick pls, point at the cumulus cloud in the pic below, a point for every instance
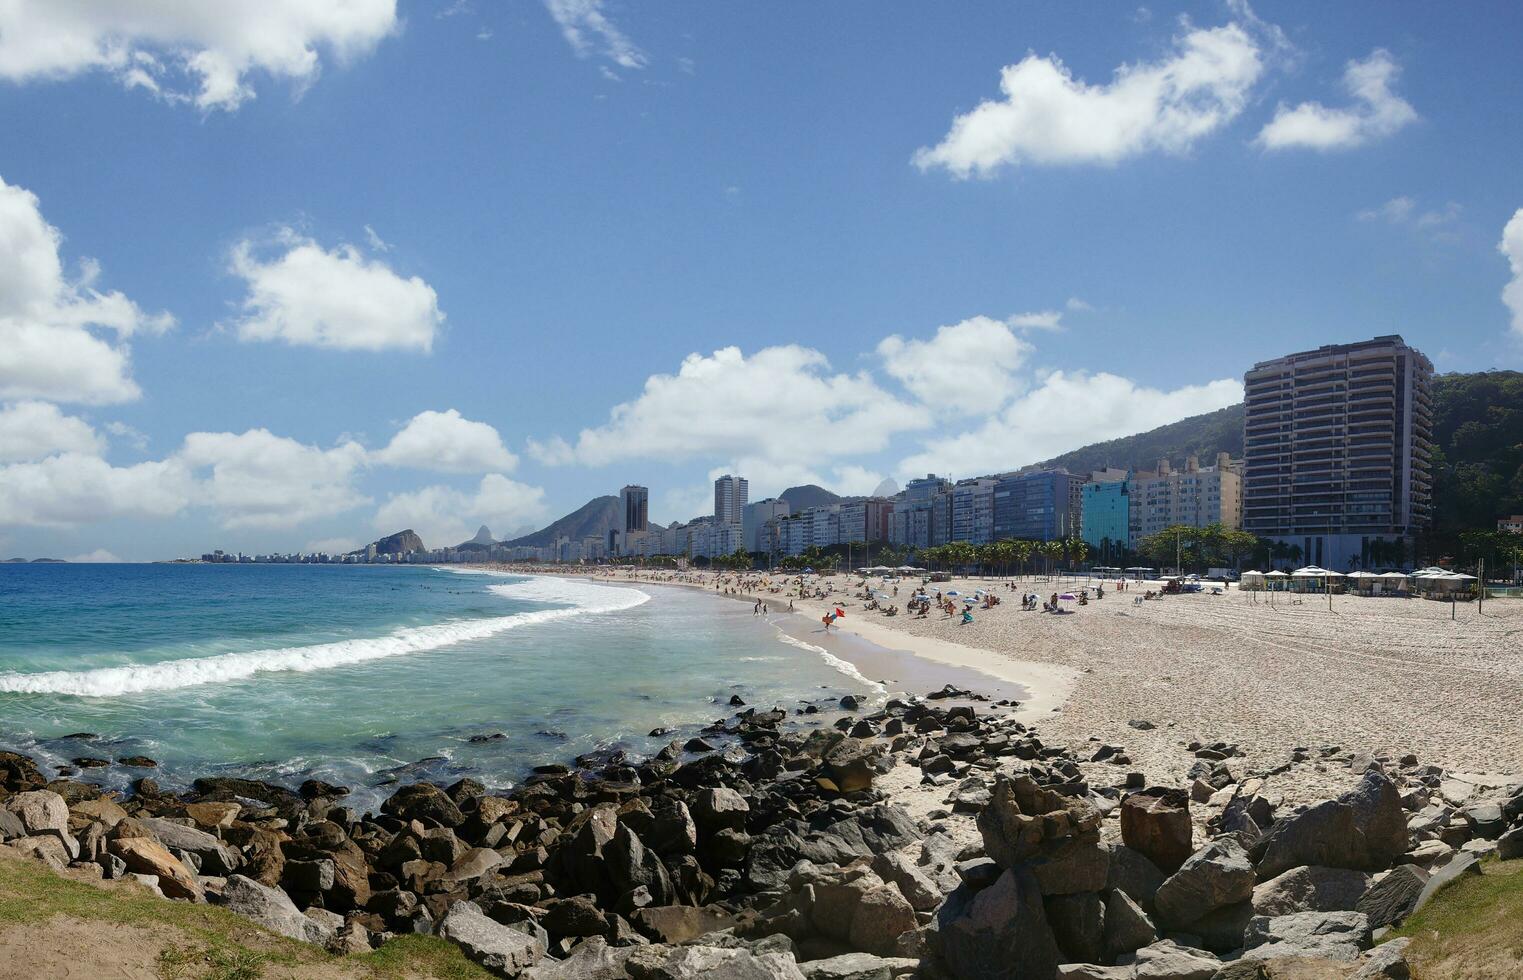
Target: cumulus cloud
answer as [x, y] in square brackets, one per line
[36, 430]
[1064, 411]
[98, 556]
[1046, 116]
[447, 442]
[259, 479]
[60, 339]
[444, 516]
[1377, 111]
[311, 296]
[589, 31]
[777, 404]
[1511, 246]
[200, 53]
[966, 368]
[76, 488]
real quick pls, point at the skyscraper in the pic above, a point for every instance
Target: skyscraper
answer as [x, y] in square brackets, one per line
[1338, 447]
[730, 494]
[634, 501]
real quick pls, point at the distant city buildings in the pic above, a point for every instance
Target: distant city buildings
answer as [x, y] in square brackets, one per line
[1338, 449]
[1038, 506]
[755, 519]
[730, 494]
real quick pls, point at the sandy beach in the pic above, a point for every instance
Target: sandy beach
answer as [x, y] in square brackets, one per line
[1370, 675]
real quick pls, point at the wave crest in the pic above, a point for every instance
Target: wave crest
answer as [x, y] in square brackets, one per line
[582, 597]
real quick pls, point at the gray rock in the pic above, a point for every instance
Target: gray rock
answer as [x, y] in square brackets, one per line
[593, 959]
[10, 826]
[1221, 931]
[1127, 927]
[1460, 864]
[1393, 897]
[1156, 823]
[913, 884]
[1364, 829]
[215, 857]
[1301, 926]
[1387, 962]
[473, 864]
[1166, 960]
[857, 966]
[1094, 971]
[1078, 924]
[1217, 875]
[42, 813]
[308, 876]
[1310, 889]
[1510, 844]
[710, 963]
[271, 908]
[999, 933]
[720, 807]
[494, 946]
[1134, 873]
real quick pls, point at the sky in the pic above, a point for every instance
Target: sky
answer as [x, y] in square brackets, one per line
[290, 275]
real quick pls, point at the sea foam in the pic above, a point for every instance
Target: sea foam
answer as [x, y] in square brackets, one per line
[580, 598]
[849, 669]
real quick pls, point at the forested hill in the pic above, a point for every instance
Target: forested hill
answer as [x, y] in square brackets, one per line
[1204, 435]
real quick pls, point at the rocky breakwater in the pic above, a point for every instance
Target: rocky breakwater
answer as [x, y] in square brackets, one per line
[769, 848]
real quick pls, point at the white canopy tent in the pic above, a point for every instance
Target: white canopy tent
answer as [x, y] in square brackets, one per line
[1251, 581]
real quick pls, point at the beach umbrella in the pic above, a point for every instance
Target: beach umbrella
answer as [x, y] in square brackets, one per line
[951, 592]
[808, 571]
[1068, 597]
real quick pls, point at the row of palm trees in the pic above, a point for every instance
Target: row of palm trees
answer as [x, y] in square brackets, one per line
[1003, 555]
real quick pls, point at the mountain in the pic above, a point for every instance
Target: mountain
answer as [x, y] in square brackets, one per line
[482, 540]
[1200, 435]
[595, 518]
[1478, 465]
[887, 488]
[806, 496]
[396, 544]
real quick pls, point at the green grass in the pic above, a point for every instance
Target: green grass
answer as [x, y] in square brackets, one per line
[1473, 929]
[211, 943]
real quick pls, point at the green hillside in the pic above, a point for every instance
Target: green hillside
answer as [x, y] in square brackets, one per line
[595, 518]
[1203, 435]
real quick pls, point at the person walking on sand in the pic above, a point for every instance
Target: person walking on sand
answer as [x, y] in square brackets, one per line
[790, 605]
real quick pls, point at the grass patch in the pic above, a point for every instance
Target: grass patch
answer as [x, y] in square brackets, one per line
[1473, 929]
[427, 956]
[211, 943]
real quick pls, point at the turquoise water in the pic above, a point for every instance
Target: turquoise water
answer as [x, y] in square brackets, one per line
[356, 675]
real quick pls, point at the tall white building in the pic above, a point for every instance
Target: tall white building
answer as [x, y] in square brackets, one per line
[730, 494]
[1196, 496]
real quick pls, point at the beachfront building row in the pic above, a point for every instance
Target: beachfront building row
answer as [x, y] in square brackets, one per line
[1121, 507]
[851, 521]
[1038, 505]
[1338, 446]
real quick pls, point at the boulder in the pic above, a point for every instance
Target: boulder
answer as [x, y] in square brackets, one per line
[1078, 924]
[1134, 873]
[1462, 864]
[48, 849]
[43, 813]
[1394, 897]
[1387, 962]
[496, 947]
[1000, 933]
[710, 963]
[216, 858]
[101, 811]
[1056, 837]
[1310, 889]
[1127, 927]
[1215, 876]
[1329, 935]
[680, 923]
[144, 855]
[425, 802]
[882, 916]
[593, 959]
[1510, 844]
[271, 908]
[719, 808]
[1364, 829]
[473, 864]
[213, 815]
[916, 887]
[858, 966]
[1166, 960]
[849, 764]
[1156, 823]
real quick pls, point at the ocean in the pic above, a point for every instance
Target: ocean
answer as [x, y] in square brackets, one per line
[366, 676]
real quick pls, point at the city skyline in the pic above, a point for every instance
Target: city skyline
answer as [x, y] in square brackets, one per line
[281, 320]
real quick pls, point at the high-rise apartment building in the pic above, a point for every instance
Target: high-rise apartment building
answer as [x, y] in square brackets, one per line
[922, 515]
[973, 510]
[1196, 496]
[754, 521]
[730, 494]
[1106, 510]
[1035, 506]
[1338, 448]
[634, 501]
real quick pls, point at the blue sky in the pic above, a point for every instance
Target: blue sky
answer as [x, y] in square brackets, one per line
[287, 275]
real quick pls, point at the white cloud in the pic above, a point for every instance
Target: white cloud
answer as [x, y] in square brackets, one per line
[98, 556]
[258, 479]
[587, 29]
[1395, 211]
[1065, 411]
[35, 430]
[967, 368]
[855, 481]
[135, 438]
[60, 340]
[1039, 320]
[444, 516]
[1511, 246]
[1046, 116]
[1403, 211]
[778, 404]
[447, 442]
[1077, 305]
[74, 488]
[189, 51]
[376, 242]
[309, 296]
[1377, 111]
[332, 546]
